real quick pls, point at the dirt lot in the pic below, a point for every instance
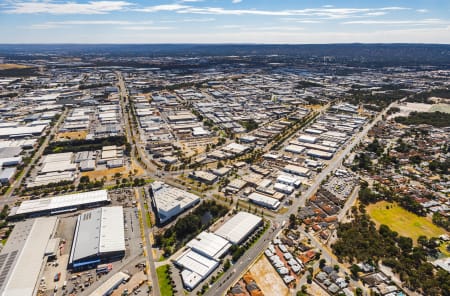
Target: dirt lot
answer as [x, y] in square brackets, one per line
[108, 173]
[79, 135]
[267, 278]
[12, 66]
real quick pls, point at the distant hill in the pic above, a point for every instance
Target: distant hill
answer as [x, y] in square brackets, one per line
[358, 54]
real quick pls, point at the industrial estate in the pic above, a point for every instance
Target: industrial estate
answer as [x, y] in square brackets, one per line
[246, 173]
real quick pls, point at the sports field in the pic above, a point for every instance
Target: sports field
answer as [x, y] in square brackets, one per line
[400, 220]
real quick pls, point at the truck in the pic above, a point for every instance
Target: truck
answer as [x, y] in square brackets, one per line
[57, 277]
[104, 268]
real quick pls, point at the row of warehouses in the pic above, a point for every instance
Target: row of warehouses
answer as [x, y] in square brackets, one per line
[99, 237]
[60, 167]
[100, 121]
[203, 253]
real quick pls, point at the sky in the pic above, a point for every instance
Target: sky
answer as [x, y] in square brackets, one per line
[224, 21]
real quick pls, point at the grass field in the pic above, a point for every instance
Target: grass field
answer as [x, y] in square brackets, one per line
[164, 281]
[404, 222]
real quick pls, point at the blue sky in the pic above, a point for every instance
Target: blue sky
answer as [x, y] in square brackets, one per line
[228, 21]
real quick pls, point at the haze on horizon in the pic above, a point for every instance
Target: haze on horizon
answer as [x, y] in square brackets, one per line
[230, 21]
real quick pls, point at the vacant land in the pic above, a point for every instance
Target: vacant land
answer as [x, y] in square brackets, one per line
[164, 280]
[267, 278]
[108, 173]
[78, 135]
[404, 222]
[12, 66]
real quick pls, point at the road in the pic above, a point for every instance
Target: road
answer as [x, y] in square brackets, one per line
[131, 137]
[147, 244]
[7, 199]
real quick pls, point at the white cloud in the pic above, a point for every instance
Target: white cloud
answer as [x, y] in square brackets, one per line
[236, 1]
[163, 7]
[52, 25]
[329, 13]
[396, 22]
[376, 13]
[92, 7]
[145, 28]
[422, 10]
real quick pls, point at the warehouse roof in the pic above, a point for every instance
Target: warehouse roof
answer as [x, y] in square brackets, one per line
[61, 201]
[97, 232]
[22, 257]
[168, 197]
[196, 262]
[239, 227]
[112, 233]
[209, 244]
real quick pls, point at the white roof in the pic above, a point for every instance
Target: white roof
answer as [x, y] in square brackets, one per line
[196, 262]
[113, 281]
[209, 244]
[239, 227]
[62, 201]
[98, 231]
[264, 200]
[58, 166]
[112, 233]
[172, 200]
[22, 130]
[58, 157]
[190, 278]
[24, 271]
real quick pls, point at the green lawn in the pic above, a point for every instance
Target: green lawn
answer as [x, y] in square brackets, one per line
[400, 220]
[148, 219]
[164, 281]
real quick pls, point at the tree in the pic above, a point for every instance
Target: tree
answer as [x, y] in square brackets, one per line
[354, 269]
[322, 263]
[359, 291]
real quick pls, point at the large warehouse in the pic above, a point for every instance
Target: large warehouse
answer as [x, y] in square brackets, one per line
[237, 229]
[24, 254]
[60, 204]
[170, 201]
[99, 237]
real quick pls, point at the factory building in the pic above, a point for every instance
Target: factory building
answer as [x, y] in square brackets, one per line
[169, 201]
[264, 200]
[99, 237]
[238, 229]
[60, 204]
[24, 254]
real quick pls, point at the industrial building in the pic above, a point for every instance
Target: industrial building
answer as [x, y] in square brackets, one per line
[238, 229]
[297, 170]
[60, 204]
[196, 268]
[264, 200]
[24, 254]
[99, 237]
[169, 201]
[209, 244]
